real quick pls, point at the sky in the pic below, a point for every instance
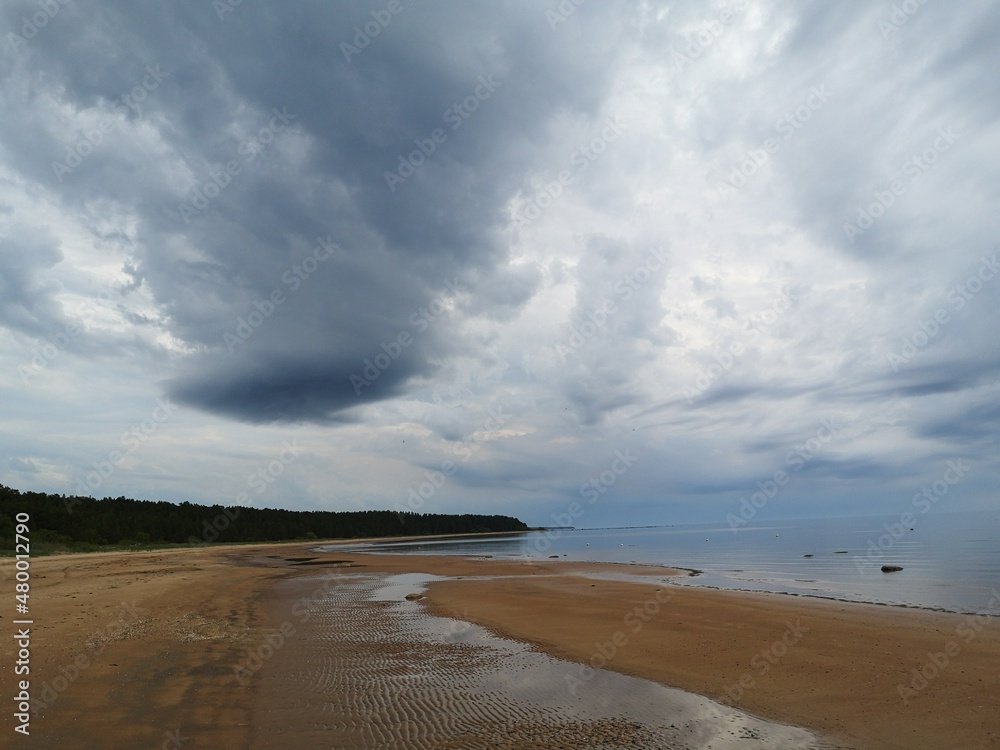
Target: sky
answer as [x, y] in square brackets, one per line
[611, 263]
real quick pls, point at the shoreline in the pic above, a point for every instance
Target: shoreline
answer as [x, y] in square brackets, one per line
[694, 573]
[199, 612]
[995, 597]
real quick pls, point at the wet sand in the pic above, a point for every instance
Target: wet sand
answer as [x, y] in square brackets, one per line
[365, 668]
[216, 649]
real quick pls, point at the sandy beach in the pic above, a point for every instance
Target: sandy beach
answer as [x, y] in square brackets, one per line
[229, 648]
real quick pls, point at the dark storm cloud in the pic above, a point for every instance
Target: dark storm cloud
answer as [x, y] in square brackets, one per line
[283, 389]
[310, 137]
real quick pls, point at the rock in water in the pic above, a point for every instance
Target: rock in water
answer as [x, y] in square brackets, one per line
[891, 568]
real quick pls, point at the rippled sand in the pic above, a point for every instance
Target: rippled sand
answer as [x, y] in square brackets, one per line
[367, 669]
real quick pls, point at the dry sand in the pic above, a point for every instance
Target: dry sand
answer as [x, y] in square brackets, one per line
[138, 650]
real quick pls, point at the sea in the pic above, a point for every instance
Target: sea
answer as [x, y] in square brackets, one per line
[949, 561]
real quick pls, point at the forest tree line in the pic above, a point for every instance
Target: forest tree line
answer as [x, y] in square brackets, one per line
[70, 521]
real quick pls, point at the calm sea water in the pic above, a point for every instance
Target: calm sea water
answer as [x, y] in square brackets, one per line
[949, 561]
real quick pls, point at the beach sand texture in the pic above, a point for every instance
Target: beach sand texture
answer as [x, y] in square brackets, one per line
[242, 648]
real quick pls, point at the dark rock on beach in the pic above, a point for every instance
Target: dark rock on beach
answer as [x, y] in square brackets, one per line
[891, 568]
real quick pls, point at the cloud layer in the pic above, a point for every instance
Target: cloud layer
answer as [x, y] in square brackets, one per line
[499, 243]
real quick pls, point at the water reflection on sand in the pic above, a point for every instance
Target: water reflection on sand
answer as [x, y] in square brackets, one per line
[375, 671]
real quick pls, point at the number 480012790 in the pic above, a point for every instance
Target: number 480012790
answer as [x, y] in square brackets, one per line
[22, 555]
